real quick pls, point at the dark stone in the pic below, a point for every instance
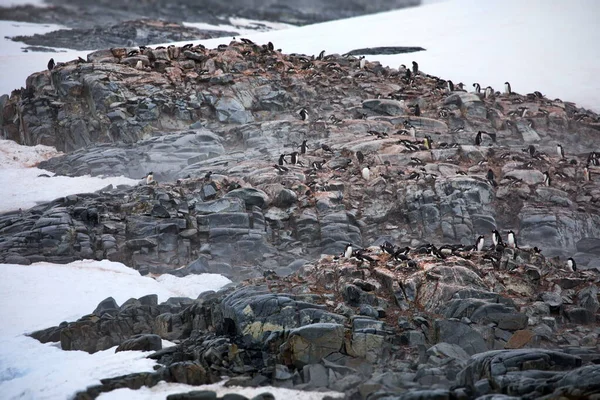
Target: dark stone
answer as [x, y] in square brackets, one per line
[142, 343]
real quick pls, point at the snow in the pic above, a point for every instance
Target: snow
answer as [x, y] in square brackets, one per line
[24, 188]
[12, 3]
[41, 295]
[542, 45]
[241, 25]
[162, 390]
[14, 155]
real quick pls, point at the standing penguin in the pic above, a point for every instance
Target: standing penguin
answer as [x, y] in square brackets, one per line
[366, 173]
[450, 86]
[303, 147]
[282, 159]
[496, 238]
[362, 63]
[51, 64]
[415, 68]
[478, 139]
[512, 240]
[417, 110]
[149, 178]
[586, 174]
[303, 114]
[348, 251]
[477, 87]
[479, 243]
[427, 142]
[547, 179]
[571, 265]
[507, 89]
[360, 156]
[560, 151]
[294, 158]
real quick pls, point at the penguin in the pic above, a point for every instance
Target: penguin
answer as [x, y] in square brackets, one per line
[478, 139]
[207, 176]
[512, 240]
[415, 68]
[321, 55]
[479, 243]
[303, 147]
[139, 65]
[281, 168]
[366, 173]
[586, 174]
[150, 178]
[571, 265]
[360, 156]
[507, 89]
[348, 251]
[417, 110]
[294, 158]
[427, 142]
[491, 177]
[547, 179]
[560, 151]
[489, 92]
[362, 63]
[450, 86]
[51, 64]
[270, 46]
[496, 238]
[477, 87]
[303, 114]
[413, 131]
[282, 159]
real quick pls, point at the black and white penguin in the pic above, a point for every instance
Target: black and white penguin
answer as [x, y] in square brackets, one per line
[360, 156]
[149, 178]
[51, 64]
[450, 86]
[303, 114]
[478, 139]
[303, 147]
[489, 92]
[415, 68]
[348, 251]
[366, 173]
[282, 159]
[427, 142]
[321, 55]
[294, 158]
[512, 240]
[586, 174]
[507, 89]
[270, 46]
[479, 243]
[496, 238]
[547, 179]
[560, 151]
[571, 265]
[477, 87]
[207, 176]
[362, 63]
[417, 110]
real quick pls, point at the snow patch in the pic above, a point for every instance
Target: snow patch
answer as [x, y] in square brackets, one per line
[14, 155]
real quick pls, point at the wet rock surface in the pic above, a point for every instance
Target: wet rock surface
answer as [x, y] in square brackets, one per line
[415, 311]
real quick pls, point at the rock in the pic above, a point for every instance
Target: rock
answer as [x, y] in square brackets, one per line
[580, 316]
[309, 344]
[455, 332]
[519, 339]
[142, 343]
[194, 395]
[107, 305]
[385, 106]
[189, 373]
[251, 197]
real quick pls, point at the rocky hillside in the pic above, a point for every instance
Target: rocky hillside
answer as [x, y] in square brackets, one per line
[267, 165]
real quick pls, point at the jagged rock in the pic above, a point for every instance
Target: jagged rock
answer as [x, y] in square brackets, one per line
[309, 344]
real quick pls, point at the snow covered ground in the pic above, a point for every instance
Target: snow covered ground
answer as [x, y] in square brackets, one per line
[23, 187]
[41, 295]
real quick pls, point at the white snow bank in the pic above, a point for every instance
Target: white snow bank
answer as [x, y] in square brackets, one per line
[45, 294]
[11, 3]
[241, 25]
[13, 155]
[24, 188]
[163, 389]
[550, 46]
[41, 295]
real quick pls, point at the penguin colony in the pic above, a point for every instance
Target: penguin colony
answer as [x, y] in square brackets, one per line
[412, 138]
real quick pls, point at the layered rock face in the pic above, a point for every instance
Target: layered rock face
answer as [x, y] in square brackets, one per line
[403, 316]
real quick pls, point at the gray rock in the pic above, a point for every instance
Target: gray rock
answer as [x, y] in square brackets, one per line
[142, 343]
[250, 196]
[455, 332]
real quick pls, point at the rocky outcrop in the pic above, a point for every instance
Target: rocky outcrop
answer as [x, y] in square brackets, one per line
[414, 312]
